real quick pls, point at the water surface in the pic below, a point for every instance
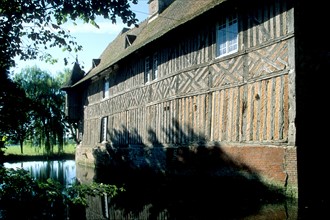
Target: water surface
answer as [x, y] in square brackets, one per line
[157, 198]
[63, 171]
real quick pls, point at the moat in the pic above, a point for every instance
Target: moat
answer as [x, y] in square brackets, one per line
[166, 198]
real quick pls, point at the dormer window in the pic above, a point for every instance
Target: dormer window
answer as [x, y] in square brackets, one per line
[129, 39]
[95, 62]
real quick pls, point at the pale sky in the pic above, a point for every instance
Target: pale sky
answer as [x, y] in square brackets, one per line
[93, 40]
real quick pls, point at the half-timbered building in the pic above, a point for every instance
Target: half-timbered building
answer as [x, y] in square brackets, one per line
[200, 86]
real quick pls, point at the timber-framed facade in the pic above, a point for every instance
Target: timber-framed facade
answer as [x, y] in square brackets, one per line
[162, 91]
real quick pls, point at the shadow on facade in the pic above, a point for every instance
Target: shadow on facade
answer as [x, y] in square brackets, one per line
[193, 180]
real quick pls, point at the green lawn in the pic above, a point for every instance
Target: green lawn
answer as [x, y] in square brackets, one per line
[29, 150]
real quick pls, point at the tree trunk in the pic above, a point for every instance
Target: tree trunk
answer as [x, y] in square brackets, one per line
[60, 141]
[21, 145]
[47, 142]
[2, 146]
[73, 129]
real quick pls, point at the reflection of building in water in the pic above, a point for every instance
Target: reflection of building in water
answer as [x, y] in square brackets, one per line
[182, 198]
[85, 174]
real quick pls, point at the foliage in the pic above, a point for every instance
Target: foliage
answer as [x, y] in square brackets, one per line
[77, 194]
[2, 146]
[28, 26]
[47, 109]
[14, 110]
[48, 199]
[11, 98]
[38, 107]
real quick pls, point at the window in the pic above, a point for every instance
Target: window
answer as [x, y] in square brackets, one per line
[147, 70]
[106, 87]
[151, 68]
[104, 126]
[155, 67]
[227, 36]
[129, 40]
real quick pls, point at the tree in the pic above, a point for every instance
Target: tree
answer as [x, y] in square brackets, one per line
[21, 126]
[47, 105]
[14, 112]
[39, 22]
[29, 28]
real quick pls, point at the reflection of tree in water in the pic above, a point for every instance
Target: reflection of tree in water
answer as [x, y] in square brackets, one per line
[61, 171]
[198, 182]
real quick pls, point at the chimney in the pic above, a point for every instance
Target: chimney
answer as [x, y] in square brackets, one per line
[157, 6]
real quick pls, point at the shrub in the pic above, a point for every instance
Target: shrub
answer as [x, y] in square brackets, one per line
[44, 199]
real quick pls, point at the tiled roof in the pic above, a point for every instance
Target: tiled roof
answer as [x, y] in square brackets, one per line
[176, 14]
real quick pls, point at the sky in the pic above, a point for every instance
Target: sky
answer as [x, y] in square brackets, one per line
[93, 40]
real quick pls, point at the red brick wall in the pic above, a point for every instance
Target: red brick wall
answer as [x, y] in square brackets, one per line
[274, 163]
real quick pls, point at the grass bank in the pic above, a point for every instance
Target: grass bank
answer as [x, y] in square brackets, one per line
[33, 153]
